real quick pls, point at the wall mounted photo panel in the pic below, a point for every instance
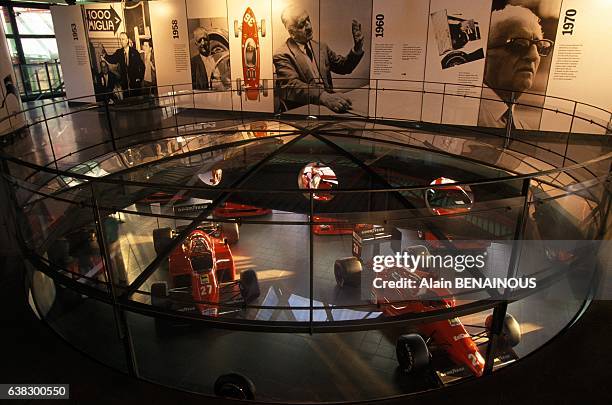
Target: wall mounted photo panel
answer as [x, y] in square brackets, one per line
[581, 68]
[293, 69]
[169, 28]
[250, 33]
[72, 48]
[399, 45]
[121, 49]
[456, 45]
[516, 69]
[209, 54]
[344, 52]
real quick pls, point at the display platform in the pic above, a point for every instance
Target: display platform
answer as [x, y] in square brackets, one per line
[261, 239]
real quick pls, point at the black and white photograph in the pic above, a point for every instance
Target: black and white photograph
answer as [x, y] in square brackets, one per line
[326, 72]
[209, 54]
[457, 38]
[121, 50]
[519, 55]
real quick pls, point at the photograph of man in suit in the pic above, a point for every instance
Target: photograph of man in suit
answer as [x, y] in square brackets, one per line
[106, 83]
[208, 71]
[516, 47]
[303, 75]
[131, 67]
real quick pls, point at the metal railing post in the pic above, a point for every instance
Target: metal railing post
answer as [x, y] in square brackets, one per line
[509, 121]
[57, 69]
[48, 77]
[375, 101]
[175, 111]
[569, 133]
[38, 81]
[42, 107]
[110, 124]
[311, 261]
[499, 313]
[308, 90]
[239, 93]
[443, 99]
[123, 330]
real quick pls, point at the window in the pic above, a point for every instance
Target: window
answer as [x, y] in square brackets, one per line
[31, 40]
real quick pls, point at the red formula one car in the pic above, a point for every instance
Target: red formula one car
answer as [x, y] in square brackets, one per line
[202, 271]
[250, 55]
[233, 210]
[448, 200]
[441, 345]
[336, 226]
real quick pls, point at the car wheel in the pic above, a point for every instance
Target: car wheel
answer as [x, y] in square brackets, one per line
[412, 353]
[511, 331]
[264, 87]
[348, 272]
[249, 286]
[161, 238]
[235, 386]
[229, 230]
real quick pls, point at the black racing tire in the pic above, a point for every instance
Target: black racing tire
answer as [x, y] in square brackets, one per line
[511, 332]
[230, 231]
[161, 238]
[159, 298]
[454, 59]
[347, 272]
[249, 286]
[412, 353]
[159, 295]
[234, 386]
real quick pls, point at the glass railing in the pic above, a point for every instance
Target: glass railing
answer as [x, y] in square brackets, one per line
[165, 231]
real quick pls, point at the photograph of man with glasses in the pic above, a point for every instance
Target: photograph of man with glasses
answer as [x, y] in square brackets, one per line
[516, 47]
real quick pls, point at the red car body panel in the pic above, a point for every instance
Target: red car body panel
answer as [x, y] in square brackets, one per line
[467, 245]
[338, 227]
[233, 210]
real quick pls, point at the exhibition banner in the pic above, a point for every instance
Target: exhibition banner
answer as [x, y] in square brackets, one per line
[121, 49]
[581, 67]
[250, 45]
[169, 28]
[399, 47]
[295, 71]
[72, 48]
[209, 54]
[456, 45]
[515, 65]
